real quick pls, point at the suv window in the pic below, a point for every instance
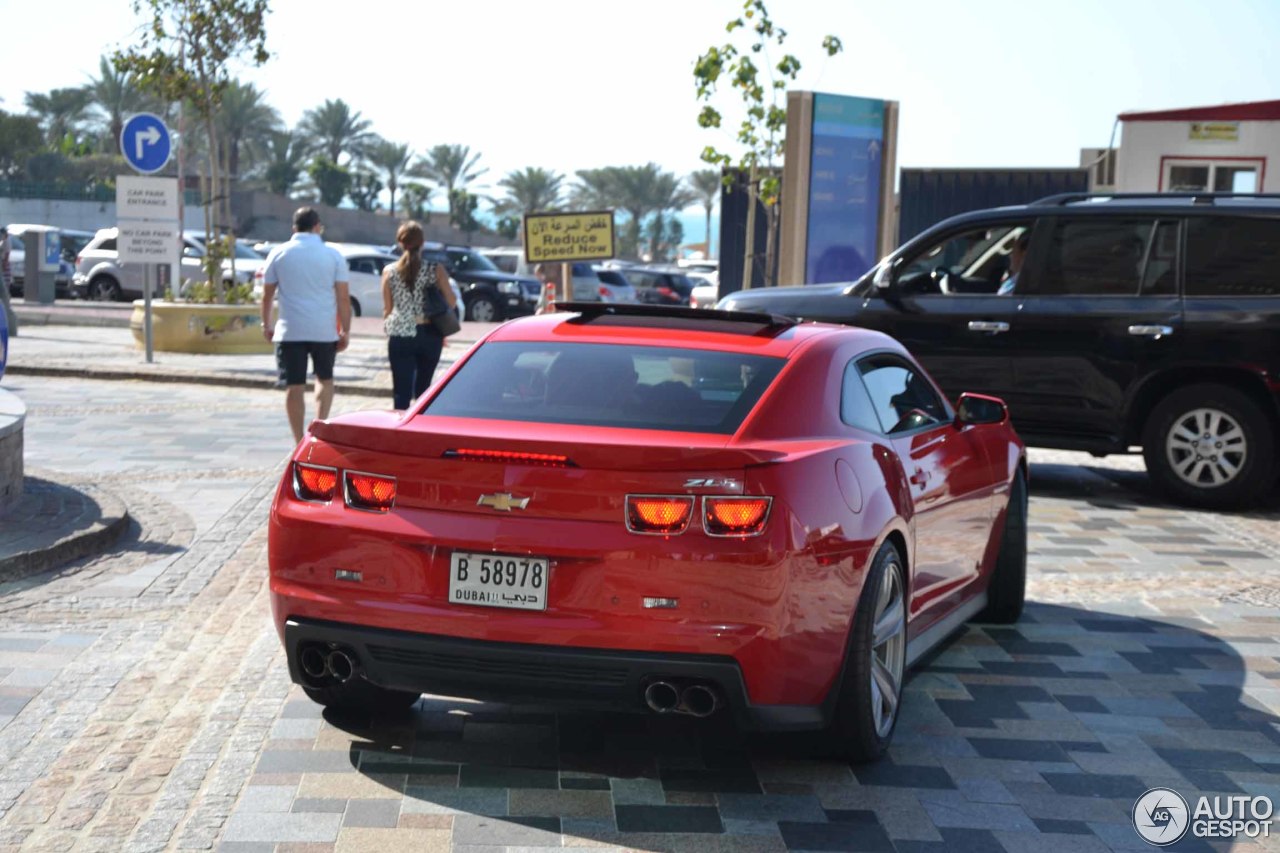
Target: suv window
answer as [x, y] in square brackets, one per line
[975, 261]
[369, 266]
[903, 399]
[470, 262]
[107, 245]
[1094, 257]
[1237, 256]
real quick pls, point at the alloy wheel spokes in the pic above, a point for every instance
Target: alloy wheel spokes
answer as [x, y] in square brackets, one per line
[888, 649]
[1206, 447]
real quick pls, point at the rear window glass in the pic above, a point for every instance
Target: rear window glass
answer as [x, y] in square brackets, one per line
[1233, 257]
[608, 385]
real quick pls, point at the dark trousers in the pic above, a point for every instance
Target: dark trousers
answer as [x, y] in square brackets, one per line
[413, 363]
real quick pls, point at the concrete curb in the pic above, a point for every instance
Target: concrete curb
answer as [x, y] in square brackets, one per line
[94, 539]
[189, 378]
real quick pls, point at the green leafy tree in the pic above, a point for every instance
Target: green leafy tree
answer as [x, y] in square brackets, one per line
[667, 195]
[761, 133]
[114, 96]
[246, 123]
[336, 129]
[415, 201]
[706, 185]
[595, 189]
[184, 54]
[508, 226]
[530, 190]
[390, 159]
[286, 153]
[365, 188]
[452, 167]
[20, 137]
[462, 211]
[332, 181]
[61, 112]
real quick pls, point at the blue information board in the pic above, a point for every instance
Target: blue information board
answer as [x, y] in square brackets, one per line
[144, 143]
[844, 187]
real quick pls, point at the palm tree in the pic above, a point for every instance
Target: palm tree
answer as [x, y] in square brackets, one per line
[335, 129]
[638, 193]
[113, 96]
[245, 122]
[60, 111]
[706, 185]
[530, 190]
[392, 159]
[450, 166]
[596, 188]
[668, 193]
[286, 151]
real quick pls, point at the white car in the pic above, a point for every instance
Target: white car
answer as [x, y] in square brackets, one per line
[706, 290]
[364, 280]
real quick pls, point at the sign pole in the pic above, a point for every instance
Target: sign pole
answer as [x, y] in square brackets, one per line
[146, 310]
[566, 282]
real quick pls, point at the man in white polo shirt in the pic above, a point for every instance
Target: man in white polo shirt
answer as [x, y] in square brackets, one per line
[315, 313]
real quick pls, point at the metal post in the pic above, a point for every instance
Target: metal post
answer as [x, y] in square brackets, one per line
[146, 311]
[566, 282]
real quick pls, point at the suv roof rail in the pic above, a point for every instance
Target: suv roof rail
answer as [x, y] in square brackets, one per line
[762, 323]
[1063, 199]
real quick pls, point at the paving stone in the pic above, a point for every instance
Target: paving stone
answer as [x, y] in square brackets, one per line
[668, 819]
[272, 827]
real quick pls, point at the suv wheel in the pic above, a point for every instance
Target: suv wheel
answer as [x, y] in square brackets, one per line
[104, 288]
[355, 307]
[875, 664]
[482, 309]
[1210, 445]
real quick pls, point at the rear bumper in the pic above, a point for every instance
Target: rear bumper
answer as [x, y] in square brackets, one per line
[482, 669]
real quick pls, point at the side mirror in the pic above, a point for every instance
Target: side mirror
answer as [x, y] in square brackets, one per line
[980, 409]
[886, 275]
[192, 252]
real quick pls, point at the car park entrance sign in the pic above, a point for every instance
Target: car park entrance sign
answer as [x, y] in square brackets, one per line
[145, 143]
[550, 237]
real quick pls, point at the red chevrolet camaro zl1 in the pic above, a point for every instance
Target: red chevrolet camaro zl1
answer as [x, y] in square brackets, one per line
[658, 510]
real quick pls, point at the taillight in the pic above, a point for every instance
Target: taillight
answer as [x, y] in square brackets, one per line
[605, 293]
[514, 456]
[314, 483]
[371, 492]
[665, 291]
[78, 257]
[663, 515]
[735, 516]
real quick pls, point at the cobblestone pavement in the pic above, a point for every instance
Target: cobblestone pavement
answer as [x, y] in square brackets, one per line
[144, 703]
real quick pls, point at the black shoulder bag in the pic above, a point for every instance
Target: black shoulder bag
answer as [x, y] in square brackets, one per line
[444, 318]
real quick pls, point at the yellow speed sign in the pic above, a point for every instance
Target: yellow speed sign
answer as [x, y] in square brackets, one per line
[568, 236]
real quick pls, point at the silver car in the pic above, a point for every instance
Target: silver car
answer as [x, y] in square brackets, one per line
[100, 276]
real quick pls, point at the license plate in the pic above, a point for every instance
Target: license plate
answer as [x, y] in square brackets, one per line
[495, 580]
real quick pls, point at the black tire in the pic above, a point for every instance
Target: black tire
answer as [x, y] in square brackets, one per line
[483, 308]
[104, 288]
[853, 732]
[1172, 420]
[1007, 591]
[355, 306]
[360, 696]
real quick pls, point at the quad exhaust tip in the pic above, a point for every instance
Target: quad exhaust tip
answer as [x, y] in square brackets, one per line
[699, 700]
[341, 666]
[313, 662]
[661, 697]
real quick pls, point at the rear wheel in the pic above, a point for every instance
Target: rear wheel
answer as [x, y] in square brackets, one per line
[104, 288]
[1210, 445]
[482, 309]
[355, 307]
[1008, 588]
[871, 685]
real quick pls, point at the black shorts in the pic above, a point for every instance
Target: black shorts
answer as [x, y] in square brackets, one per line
[293, 355]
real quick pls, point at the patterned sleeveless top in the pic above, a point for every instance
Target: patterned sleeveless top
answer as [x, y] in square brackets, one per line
[407, 302]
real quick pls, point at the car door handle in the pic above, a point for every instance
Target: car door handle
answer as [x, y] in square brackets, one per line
[1156, 332]
[993, 326]
[920, 477]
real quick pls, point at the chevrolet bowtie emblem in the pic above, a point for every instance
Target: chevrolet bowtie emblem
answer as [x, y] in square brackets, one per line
[503, 502]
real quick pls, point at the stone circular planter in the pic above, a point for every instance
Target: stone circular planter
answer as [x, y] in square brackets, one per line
[196, 328]
[13, 417]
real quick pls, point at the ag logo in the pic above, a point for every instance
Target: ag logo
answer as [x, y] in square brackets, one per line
[1161, 816]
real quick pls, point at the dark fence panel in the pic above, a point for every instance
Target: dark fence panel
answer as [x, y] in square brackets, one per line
[928, 196]
[733, 237]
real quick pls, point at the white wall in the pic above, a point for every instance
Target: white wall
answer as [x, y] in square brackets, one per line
[1143, 143]
[74, 215]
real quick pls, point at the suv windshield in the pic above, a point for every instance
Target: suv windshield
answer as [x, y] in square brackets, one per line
[608, 385]
[470, 262]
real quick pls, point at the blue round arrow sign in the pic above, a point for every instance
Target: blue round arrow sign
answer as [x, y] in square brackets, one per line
[145, 143]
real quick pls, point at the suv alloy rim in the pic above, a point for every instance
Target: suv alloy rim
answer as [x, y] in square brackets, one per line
[888, 649]
[1206, 448]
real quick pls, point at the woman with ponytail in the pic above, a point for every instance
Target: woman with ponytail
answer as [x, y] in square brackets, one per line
[410, 289]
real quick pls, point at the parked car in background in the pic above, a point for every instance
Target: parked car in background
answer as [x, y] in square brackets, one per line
[489, 294]
[99, 275]
[661, 284]
[704, 514]
[1106, 322]
[364, 269]
[509, 259]
[706, 290]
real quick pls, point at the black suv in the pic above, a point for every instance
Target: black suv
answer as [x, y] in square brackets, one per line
[489, 293]
[660, 285]
[1105, 323]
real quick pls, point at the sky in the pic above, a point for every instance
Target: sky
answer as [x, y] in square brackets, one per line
[575, 84]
